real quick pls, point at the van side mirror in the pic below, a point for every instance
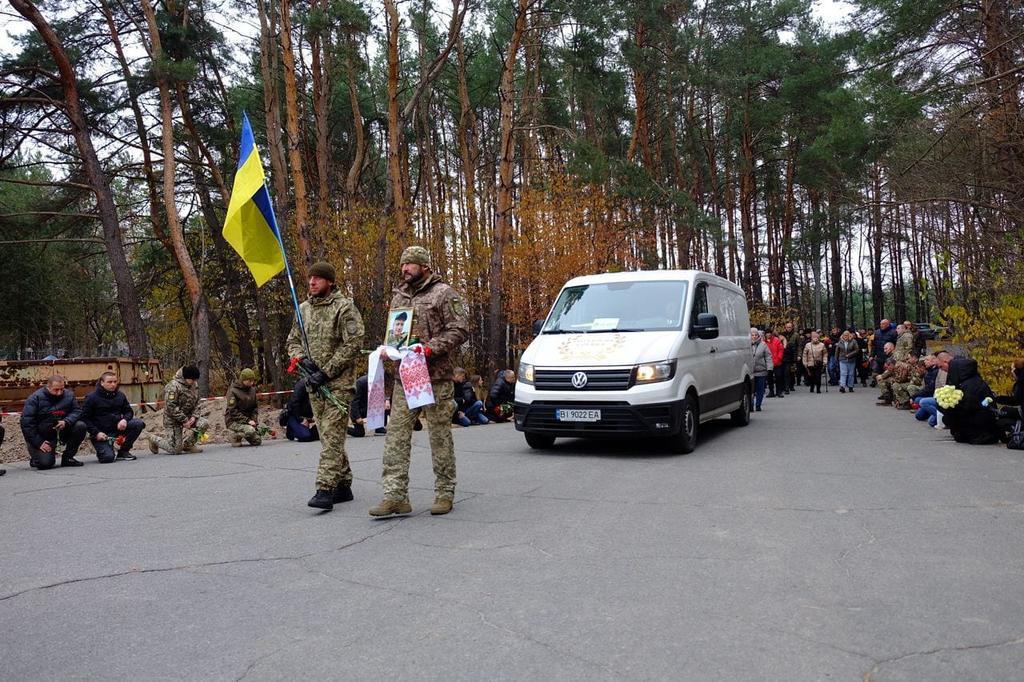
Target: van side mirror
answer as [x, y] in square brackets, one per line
[537, 326]
[706, 326]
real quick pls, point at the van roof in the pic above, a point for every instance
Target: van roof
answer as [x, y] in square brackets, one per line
[651, 276]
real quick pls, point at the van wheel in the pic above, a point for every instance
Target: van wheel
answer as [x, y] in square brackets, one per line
[685, 441]
[741, 415]
[539, 441]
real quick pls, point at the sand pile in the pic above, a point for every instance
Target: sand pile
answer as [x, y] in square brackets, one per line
[13, 449]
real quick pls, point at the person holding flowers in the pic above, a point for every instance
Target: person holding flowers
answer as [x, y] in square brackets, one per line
[965, 404]
[334, 329]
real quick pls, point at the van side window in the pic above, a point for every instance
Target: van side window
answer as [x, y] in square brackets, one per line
[700, 303]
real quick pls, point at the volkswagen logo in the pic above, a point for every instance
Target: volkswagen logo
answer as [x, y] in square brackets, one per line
[579, 379]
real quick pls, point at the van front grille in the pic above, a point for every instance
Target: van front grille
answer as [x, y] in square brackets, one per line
[597, 379]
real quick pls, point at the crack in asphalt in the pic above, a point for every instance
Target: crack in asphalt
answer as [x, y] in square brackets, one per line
[191, 567]
[568, 654]
[869, 675]
[260, 659]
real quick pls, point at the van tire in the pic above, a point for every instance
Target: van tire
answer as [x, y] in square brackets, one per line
[685, 441]
[741, 415]
[539, 441]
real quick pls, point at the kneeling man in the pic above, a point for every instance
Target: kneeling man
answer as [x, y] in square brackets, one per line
[110, 420]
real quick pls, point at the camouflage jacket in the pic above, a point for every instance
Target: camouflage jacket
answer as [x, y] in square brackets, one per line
[903, 373]
[439, 319]
[335, 331]
[181, 401]
[904, 346]
[242, 404]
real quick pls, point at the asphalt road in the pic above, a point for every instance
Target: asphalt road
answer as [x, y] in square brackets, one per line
[830, 539]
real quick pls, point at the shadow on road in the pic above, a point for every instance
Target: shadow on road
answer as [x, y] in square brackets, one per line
[624, 447]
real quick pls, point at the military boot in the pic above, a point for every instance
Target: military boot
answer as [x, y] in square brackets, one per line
[193, 449]
[343, 493]
[391, 508]
[153, 447]
[324, 499]
[442, 505]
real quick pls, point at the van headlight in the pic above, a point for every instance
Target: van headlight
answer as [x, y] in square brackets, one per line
[525, 373]
[654, 372]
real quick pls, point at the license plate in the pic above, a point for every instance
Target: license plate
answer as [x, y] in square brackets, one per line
[578, 415]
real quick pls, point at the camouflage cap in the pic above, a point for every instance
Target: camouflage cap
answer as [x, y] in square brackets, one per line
[247, 375]
[416, 254]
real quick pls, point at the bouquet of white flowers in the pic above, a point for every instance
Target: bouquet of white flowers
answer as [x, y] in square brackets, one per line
[948, 397]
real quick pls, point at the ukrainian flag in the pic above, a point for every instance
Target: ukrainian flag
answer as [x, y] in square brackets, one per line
[250, 226]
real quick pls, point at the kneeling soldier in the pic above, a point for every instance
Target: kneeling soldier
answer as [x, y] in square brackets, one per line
[243, 410]
[183, 425]
[110, 420]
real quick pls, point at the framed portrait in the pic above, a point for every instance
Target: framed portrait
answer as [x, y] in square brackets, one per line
[399, 327]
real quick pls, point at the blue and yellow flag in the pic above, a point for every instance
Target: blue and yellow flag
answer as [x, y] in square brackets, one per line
[250, 226]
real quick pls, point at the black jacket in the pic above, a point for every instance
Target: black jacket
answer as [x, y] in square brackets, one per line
[464, 395]
[969, 420]
[360, 400]
[298, 405]
[42, 411]
[501, 391]
[928, 385]
[1016, 396]
[102, 411]
[882, 338]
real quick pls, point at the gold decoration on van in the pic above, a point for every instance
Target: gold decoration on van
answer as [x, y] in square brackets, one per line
[581, 347]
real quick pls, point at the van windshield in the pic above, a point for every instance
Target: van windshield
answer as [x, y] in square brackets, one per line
[618, 306]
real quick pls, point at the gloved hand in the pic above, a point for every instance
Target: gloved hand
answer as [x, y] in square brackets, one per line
[317, 379]
[422, 349]
[309, 366]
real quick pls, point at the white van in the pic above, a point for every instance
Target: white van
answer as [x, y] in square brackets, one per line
[649, 353]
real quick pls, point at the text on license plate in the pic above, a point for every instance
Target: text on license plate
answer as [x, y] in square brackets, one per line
[578, 415]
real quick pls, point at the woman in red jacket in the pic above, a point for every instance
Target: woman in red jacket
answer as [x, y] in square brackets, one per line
[777, 377]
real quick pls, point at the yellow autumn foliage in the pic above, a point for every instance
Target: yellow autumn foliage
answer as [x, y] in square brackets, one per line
[994, 337]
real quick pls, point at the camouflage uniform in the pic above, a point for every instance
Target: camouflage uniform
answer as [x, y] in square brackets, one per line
[899, 373]
[903, 393]
[242, 408]
[181, 403]
[440, 321]
[904, 346]
[335, 331]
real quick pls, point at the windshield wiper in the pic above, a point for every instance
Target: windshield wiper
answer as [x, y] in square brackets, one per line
[617, 329]
[560, 331]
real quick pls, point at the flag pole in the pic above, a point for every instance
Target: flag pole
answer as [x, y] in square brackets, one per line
[291, 282]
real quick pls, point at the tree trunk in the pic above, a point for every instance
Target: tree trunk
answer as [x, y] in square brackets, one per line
[127, 295]
[496, 346]
[271, 103]
[200, 310]
[291, 112]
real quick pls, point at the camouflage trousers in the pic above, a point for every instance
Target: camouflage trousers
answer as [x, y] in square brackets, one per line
[885, 389]
[179, 438]
[902, 393]
[243, 431]
[332, 422]
[398, 442]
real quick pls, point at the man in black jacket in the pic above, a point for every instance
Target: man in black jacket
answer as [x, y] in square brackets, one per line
[502, 396]
[110, 420]
[52, 418]
[297, 416]
[357, 410]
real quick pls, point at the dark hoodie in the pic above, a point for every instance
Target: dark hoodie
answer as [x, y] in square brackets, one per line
[969, 421]
[103, 409]
[42, 411]
[243, 404]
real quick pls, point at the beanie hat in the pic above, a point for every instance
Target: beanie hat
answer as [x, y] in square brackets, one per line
[416, 254]
[190, 372]
[247, 375]
[323, 270]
